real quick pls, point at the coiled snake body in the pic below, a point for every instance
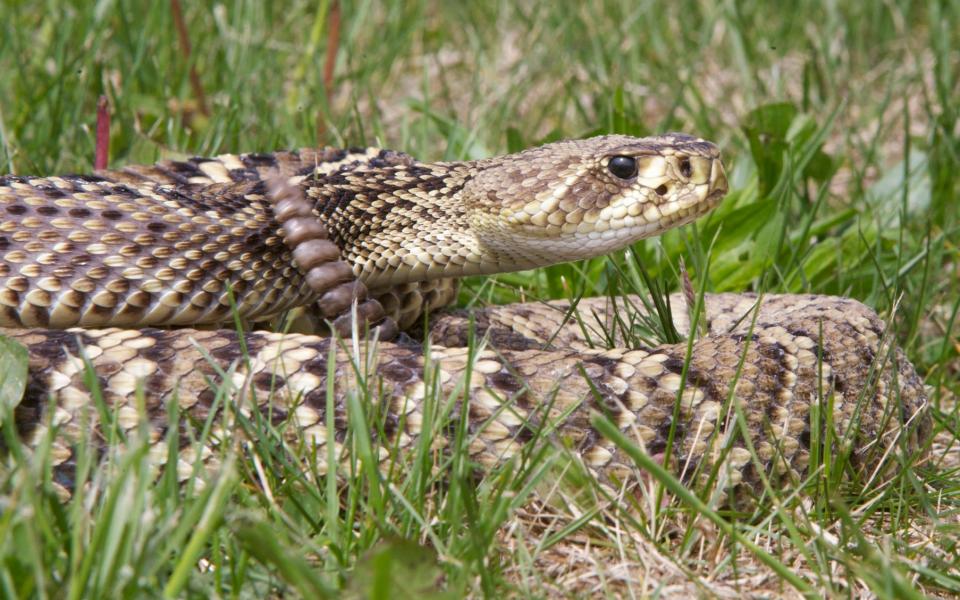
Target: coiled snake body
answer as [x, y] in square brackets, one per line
[184, 243]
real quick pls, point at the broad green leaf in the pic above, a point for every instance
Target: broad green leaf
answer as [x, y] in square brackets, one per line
[13, 375]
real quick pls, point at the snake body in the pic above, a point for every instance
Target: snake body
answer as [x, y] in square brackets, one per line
[181, 243]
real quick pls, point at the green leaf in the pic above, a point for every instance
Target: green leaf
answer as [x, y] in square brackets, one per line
[515, 141]
[261, 541]
[13, 375]
[399, 568]
[766, 129]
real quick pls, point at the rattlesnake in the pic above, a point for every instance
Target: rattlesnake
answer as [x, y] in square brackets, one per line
[197, 243]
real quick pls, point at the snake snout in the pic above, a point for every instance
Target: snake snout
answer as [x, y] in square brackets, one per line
[718, 181]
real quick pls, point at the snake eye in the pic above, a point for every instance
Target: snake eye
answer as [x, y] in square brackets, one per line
[685, 168]
[623, 167]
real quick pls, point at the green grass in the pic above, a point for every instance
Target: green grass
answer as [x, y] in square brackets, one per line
[839, 126]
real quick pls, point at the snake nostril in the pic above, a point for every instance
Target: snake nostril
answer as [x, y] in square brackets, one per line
[685, 168]
[662, 189]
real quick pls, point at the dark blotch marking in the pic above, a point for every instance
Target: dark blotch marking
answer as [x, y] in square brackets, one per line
[179, 166]
[51, 191]
[205, 398]
[526, 432]
[396, 372]
[390, 158]
[450, 427]
[124, 190]
[429, 185]
[340, 426]
[818, 349]
[379, 163]
[102, 379]
[674, 365]
[409, 361]
[65, 473]
[317, 399]
[158, 353]
[657, 446]
[876, 327]
[707, 383]
[155, 385]
[604, 361]
[254, 241]
[391, 424]
[79, 212]
[342, 197]
[259, 159]
[88, 178]
[663, 433]
[227, 353]
[10, 315]
[316, 365]
[749, 472]
[840, 384]
[16, 209]
[332, 155]
[506, 382]
[268, 381]
[503, 338]
[48, 211]
[112, 214]
[244, 175]
[184, 197]
[821, 352]
[56, 342]
[607, 401]
[29, 413]
[156, 226]
[804, 438]
[275, 414]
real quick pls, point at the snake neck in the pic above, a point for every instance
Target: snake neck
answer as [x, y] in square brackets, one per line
[404, 224]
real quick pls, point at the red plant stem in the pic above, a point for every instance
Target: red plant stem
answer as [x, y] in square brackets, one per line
[102, 152]
[333, 45]
[183, 36]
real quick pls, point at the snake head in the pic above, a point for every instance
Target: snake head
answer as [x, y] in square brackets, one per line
[578, 199]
